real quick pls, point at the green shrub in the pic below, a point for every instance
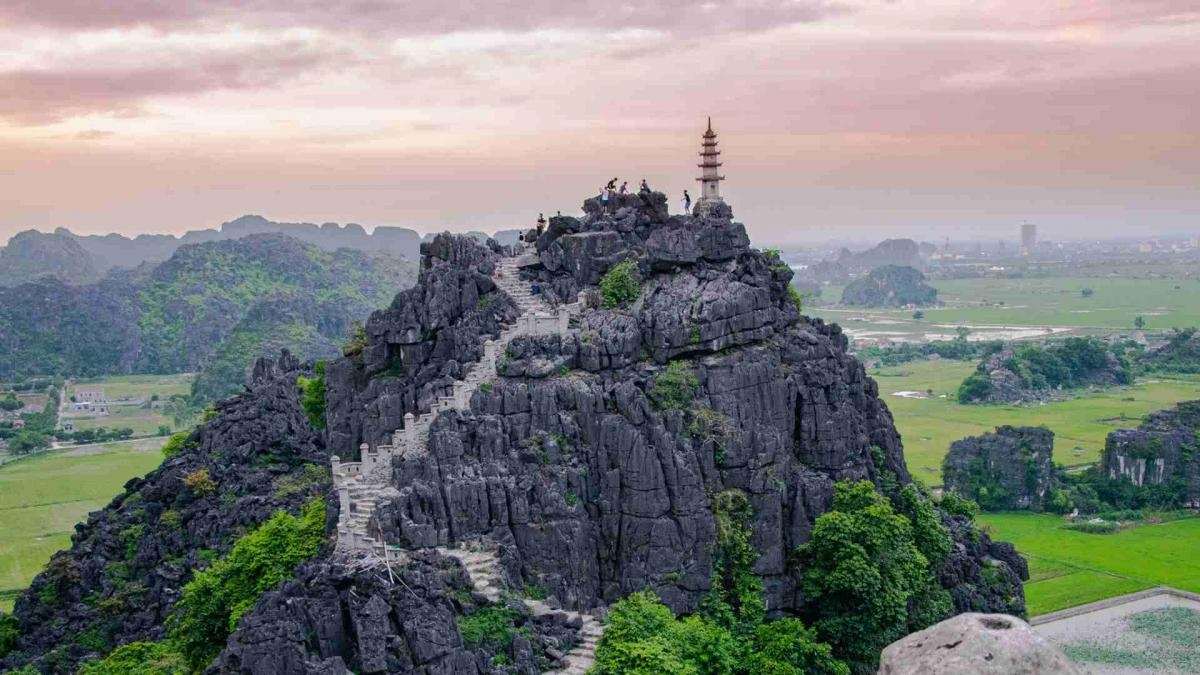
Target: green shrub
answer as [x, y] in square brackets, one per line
[535, 591]
[491, 626]
[977, 387]
[131, 537]
[9, 634]
[140, 658]
[620, 285]
[215, 600]
[313, 395]
[954, 505]
[787, 647]
[675, 388]
[571, 498]
[175, 444]
[310, 478]
[93, 640]
[485, 387]
[796, 298]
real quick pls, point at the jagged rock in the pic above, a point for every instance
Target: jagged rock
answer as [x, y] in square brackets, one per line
[980, 644]
[128, 563]
[1165, 448]
[333, 618]
[1012, 468]
[416, 347]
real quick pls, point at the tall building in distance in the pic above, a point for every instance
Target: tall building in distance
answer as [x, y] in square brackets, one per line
[1028, 239]
[710, 180]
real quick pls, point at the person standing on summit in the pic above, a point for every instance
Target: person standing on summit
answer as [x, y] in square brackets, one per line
[687, 202]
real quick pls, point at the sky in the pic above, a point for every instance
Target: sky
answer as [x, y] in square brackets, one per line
[853, 119]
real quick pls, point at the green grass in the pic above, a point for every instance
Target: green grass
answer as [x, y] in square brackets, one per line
[1069, 568]
[1080, 425]
[1056, 302]
[42, 498]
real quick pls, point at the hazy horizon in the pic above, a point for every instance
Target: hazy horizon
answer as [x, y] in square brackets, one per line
[854, 120]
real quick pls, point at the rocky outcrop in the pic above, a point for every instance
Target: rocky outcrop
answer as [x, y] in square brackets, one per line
[847, 265]
[592, 484]
[981, 644]
[1021, 373]
[128, 563]
[416, 348]
[1012, 468]
[335, 619]
[890, 286]
[1164, 450]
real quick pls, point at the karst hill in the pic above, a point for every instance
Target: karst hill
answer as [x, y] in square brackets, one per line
[523, 439]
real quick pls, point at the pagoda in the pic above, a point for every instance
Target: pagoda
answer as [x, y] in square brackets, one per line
[709, 179]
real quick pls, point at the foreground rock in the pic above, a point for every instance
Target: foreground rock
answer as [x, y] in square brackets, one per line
[1012, 468]
[978, 644]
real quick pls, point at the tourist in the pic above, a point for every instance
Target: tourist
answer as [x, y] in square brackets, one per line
[612, 184]
[644, 189]
[624, 187]
[604, 198]
[541, 224]
[687, 202]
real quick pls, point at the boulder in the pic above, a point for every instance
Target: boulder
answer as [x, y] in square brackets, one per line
[979, 644]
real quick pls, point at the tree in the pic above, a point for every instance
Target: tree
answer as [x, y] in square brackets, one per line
[1087, 292]
[918, 315]
[312, 399]
[9, 634]
[1139, 322]
[26, 441]
[866, 582]
[620, 285]
[10, 402]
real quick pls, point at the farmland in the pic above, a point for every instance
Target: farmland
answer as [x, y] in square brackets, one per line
[1069, 568]
[928, 425]
[43, 497]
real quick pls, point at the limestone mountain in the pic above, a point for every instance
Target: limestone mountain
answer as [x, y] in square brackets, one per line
[78, 259]
[523, 439]
[848, 264]
[35, 255]
[218, 304]
[1012, 468]
[1163, 452]
[890, 286]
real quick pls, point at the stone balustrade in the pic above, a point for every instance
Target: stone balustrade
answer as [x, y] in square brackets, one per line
[359, 484]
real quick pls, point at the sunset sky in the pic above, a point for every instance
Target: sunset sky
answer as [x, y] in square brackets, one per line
[851, 118]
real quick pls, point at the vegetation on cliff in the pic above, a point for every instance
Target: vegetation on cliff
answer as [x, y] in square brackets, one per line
[1030, 370]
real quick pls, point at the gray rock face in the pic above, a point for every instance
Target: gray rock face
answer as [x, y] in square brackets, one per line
[980, 644]
[1012, 468]
[416, 347]
[591, 488]
[1164, 449]
[336, 620]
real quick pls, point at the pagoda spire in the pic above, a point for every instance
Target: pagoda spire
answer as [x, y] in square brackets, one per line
[710, 179]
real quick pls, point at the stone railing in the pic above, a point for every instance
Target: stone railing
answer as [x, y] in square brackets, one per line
[361, 484]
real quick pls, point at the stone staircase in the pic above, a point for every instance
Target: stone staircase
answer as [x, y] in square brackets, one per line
[363, 485]
[484, 570]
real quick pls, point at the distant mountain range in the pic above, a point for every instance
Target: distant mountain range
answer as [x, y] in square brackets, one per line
[211, 307]
[81, 259]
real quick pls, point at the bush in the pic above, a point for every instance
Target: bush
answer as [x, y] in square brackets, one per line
[675, 388]
[977, 387]
[954, 505]
[9, 634]
[175, 444]
[200, 483]
[140, 658]
[787, 647]
[620, 285]
[312, 397]
[796, 298]
[310, 478]
[214, 600]
[491, 626]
